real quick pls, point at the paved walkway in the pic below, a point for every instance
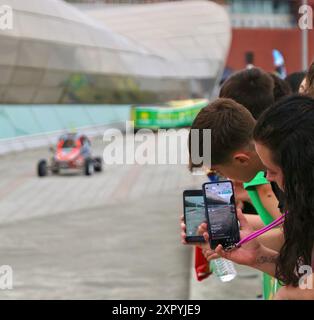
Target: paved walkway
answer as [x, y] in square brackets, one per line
[114, 235]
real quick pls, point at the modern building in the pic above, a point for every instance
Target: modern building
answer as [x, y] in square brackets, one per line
[56, 53]
[260, 26]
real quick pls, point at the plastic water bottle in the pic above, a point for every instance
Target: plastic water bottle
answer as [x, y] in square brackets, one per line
[223, 269]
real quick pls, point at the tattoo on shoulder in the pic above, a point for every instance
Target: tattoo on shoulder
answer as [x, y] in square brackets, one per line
[263, 259]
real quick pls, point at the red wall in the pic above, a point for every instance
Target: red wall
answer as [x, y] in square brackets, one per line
[262, 41]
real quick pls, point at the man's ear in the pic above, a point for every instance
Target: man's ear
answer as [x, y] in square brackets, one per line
[241, 158]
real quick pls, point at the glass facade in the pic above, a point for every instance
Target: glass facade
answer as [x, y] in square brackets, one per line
[56, 53]
[259, 6]
[273, 14]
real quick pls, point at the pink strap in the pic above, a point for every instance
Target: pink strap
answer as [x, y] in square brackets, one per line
[257, 233]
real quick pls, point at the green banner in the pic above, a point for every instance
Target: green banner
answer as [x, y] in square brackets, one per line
[171, 115]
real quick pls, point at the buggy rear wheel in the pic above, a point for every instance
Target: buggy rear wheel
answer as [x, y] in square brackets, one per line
[98, 164]
[42, 169]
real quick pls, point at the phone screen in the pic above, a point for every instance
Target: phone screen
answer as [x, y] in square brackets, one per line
[221, 210]
[194, 213]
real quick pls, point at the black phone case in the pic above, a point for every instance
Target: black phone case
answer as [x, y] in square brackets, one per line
[229, 242]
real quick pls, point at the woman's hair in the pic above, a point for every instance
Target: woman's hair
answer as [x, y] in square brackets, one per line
[281, 87]
[287, 130]
[295, 79]
[309, 79]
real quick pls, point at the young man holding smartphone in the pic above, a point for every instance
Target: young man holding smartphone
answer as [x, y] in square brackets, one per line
[234, 156]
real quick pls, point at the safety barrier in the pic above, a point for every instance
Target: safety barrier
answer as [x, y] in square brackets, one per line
[29, 126]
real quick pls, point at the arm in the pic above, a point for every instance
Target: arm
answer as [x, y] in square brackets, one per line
[273, 239]
[296, 293]
[268, 200]
[252, 254]
[265, 260]
[255, 221]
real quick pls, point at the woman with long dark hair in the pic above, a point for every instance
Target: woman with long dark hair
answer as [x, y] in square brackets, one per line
[284, 140]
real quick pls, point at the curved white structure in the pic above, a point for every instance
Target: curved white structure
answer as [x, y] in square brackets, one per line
[144, 53]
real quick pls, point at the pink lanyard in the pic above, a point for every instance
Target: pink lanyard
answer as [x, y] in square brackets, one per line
[257, 233]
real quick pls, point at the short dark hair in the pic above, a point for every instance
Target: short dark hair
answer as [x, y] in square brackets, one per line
[253, 88]
[231, 127]
[281, 87]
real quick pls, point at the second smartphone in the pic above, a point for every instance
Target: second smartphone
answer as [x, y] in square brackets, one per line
[194, 214]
